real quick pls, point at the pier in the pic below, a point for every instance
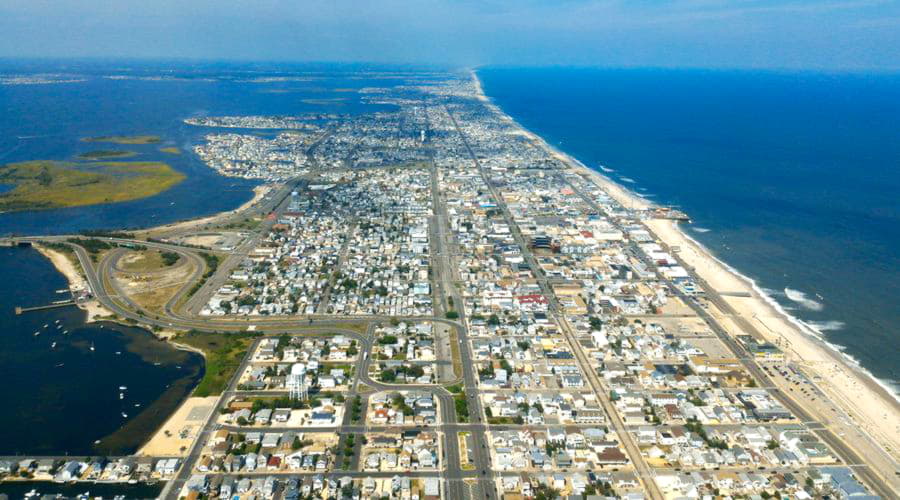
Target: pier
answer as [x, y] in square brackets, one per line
[670, 213]
[61, 303]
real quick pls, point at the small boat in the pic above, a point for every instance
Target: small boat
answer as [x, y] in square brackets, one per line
[118, 353]
[124, 415]
[37, 333]
[46, 325]
[65, 332]
[60, 365]
[57, 322]
[137, 405]
[97, 442]
[156, 364]
[92, 347]
[121, 396]
[53, 345]
[123, 388]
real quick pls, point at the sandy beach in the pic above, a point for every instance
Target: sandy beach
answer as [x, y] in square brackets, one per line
[874, 409]
[259, 192]
[77, 282]
[858, 394]
[176, 436]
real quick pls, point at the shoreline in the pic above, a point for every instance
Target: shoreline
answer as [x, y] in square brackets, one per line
[259, 192]
[61, 262]
[864, 397]
[165, 440]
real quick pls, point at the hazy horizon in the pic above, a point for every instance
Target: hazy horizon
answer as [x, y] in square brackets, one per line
[836, 35]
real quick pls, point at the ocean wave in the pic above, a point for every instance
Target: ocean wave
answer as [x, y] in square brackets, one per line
[826, 326]
[801, 298]
[700, 229]
[891, 386]
[627, 179]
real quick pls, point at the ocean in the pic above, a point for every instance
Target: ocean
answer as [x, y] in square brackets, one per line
[791, 178]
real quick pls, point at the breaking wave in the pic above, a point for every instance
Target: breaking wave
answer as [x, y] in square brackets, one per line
[826, 326]
[627, 179]
[606, 169]
[801, 298]
[700, 229]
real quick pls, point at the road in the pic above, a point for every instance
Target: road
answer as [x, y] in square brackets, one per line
[885, 487]
[644, 472]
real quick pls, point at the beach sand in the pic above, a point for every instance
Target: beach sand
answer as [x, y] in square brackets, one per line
[71, 270]
[259, 192]
[176, 436]
[872, 407]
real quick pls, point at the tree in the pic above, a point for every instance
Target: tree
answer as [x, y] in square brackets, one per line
[545, 492]
[388, 375]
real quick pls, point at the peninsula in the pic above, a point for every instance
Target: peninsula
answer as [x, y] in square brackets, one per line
[433, 302]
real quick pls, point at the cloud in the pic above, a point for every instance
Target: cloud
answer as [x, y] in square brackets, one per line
[715, 33]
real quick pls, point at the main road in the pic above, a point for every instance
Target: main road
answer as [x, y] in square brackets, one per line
[644, 472]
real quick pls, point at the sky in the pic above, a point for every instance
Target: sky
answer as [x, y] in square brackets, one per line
[791, 34]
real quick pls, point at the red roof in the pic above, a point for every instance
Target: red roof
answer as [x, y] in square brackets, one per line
[534, 298]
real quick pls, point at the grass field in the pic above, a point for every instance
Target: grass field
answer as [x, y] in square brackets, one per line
[106, 154]
[144, 261]
[224, 353]
[125, 139]
[50, 184]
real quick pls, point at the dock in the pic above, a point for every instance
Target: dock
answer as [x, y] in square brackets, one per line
[61, 303]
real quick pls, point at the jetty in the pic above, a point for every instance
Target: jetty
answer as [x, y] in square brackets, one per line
[54, 305]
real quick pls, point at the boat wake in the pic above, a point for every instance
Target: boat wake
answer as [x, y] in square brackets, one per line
[804, 301]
